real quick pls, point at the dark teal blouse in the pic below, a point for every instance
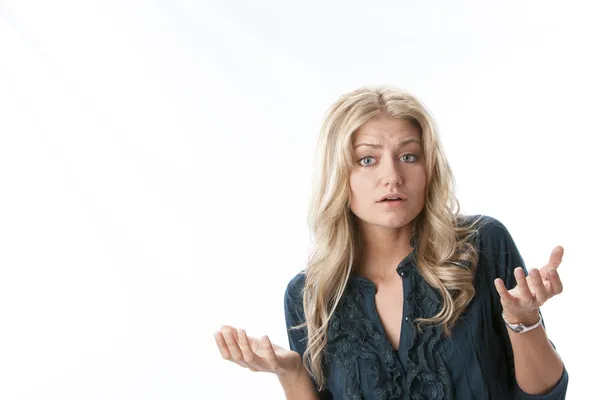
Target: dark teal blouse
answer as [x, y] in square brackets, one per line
[476, 362]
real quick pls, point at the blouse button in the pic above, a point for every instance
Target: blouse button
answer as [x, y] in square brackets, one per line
[402, 274]
[406, 319]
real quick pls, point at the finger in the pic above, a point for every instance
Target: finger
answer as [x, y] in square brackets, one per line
[223, 348]
[234, 348]
[555, 260]
[555, 283]
[556, 256]
[505, 297]
[547, 285]
[541, 293]
[249, 356]
[270, 355]
[524, 291]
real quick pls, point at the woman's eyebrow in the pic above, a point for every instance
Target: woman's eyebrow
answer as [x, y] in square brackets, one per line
[400, 144]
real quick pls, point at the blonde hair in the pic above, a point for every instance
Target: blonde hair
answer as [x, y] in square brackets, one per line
[446, 259]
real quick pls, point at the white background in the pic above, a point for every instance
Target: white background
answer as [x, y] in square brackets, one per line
[155, 166]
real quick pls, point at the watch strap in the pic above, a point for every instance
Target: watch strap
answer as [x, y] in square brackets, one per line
[520, 328]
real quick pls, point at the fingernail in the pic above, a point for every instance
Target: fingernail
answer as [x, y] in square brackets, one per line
[519, 273]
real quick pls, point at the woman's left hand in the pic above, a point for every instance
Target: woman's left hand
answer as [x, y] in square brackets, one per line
[521, 303]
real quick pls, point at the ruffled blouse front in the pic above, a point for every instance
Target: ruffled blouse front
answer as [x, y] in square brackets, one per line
[475, 362]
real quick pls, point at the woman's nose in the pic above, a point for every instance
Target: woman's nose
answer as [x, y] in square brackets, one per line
[391, 174]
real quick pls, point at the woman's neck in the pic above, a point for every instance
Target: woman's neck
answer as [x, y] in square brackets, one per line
[382, 251]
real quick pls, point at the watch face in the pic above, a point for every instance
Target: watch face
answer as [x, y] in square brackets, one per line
[519, 329]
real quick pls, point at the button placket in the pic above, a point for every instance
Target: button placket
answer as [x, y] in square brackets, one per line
[407, 303]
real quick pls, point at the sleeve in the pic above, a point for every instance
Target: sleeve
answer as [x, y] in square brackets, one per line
[294, 315]
[504, 255]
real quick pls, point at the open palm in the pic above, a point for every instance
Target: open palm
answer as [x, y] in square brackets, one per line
[523, 301]
[256, 354]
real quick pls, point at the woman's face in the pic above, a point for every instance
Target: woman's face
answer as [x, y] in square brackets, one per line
[388, 159]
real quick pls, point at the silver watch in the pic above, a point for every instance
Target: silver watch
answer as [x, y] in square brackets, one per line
[520, 328]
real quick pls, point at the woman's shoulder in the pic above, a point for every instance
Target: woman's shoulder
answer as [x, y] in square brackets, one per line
[296, 284]
[294, 289]
[491, 231]
[498, 252]
[293, 299]
[488, 228]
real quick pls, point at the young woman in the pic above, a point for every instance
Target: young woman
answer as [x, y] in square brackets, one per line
[403, 297]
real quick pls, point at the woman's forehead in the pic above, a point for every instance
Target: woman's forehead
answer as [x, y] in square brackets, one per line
[387, 128]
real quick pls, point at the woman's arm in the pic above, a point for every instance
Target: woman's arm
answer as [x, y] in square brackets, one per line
[298, 386]
[262, 355]
[538, 367]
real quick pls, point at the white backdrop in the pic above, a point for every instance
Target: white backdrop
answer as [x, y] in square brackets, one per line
[155, 166]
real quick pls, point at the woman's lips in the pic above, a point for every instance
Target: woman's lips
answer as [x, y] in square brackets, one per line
[392, 203]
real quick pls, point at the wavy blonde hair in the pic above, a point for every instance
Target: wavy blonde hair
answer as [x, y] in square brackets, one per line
[445, 258]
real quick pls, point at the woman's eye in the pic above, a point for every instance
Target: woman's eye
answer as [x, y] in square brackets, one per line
[365, 161]
[414, 157]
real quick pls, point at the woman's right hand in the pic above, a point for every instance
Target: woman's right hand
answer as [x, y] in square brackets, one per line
[257, 354]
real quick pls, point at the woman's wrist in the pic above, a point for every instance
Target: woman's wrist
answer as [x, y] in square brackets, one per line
[298, 385]
[292, 374]
[526, 319]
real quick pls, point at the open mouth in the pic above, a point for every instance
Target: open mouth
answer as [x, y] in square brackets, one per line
[392, 201]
